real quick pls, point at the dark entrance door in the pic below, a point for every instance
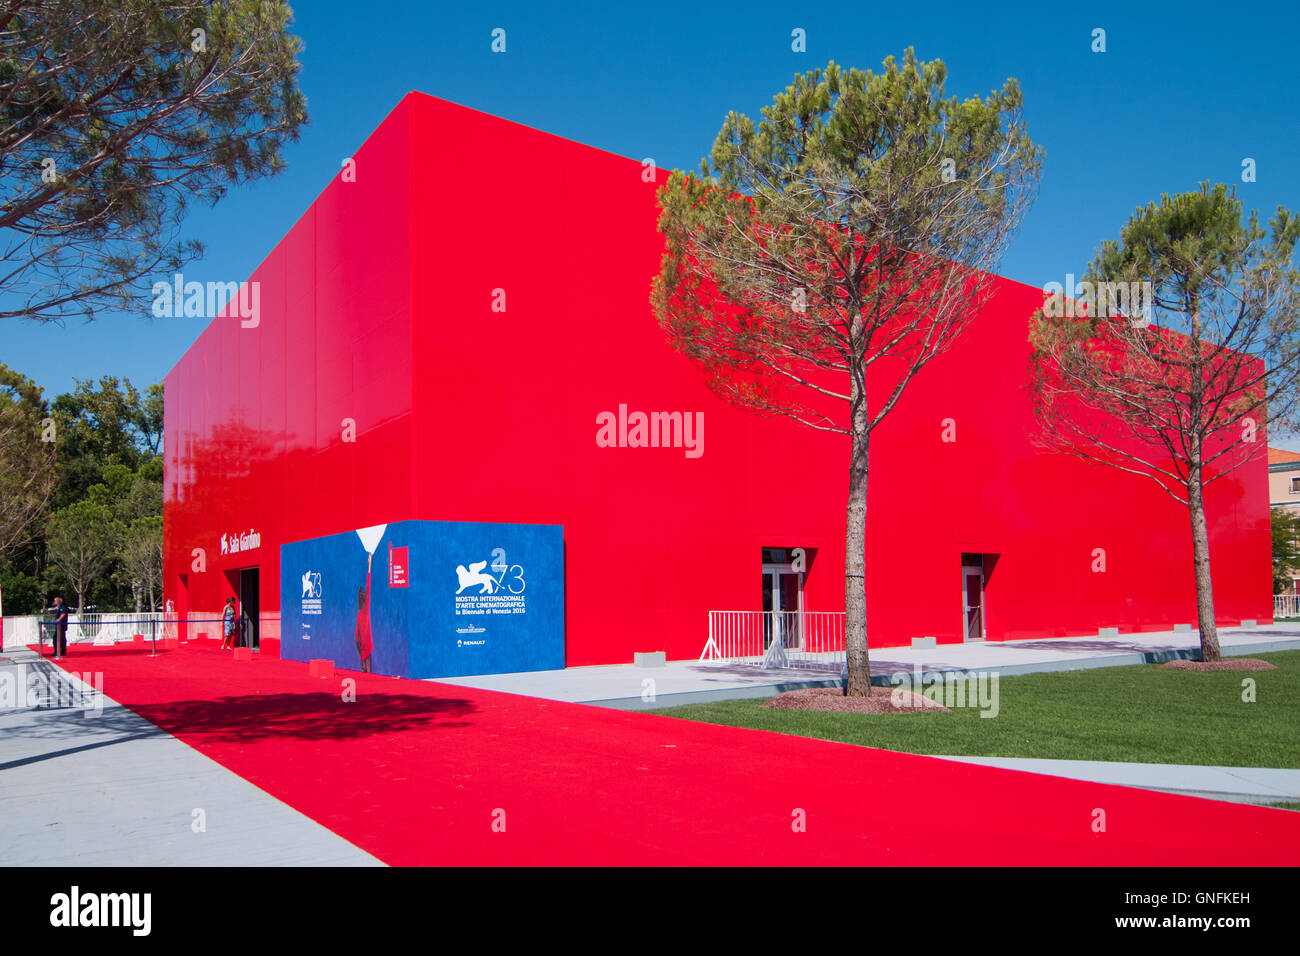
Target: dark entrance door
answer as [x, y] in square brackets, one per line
[976, 569]
[179, 614]
[974, 606]
[249, 606]
[783, 597]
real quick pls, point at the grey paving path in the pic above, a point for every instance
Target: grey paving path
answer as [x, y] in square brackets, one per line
[1237, 784]
[688, 682]
[114, 790]
[1080, 653]
[628, 687]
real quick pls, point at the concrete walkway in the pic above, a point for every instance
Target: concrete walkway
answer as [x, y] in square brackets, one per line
[628, 687]
[1236, 784]
[79, 787]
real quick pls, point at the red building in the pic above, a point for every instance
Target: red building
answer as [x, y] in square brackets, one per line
[461, 331]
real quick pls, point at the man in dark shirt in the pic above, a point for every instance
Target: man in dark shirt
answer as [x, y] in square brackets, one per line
[60, 627]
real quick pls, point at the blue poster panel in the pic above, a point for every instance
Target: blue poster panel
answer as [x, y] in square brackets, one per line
[426, 598]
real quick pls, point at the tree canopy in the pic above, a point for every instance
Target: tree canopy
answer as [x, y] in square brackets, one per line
[1182, 390]
[27, 459]
[824, 255]
[113, 117]
[94, 447]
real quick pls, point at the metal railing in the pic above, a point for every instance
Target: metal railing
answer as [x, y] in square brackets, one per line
[1286, 605]
[91, 627]
[106, 628]
[84, 628]
[813, 639]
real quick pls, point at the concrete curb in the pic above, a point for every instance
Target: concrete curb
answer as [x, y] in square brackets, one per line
[1233, 784]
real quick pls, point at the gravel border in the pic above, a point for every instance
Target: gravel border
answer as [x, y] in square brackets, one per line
[881, 701]
[1228, 664]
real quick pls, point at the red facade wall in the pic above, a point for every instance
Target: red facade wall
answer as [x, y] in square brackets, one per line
[382, 312]
[254, 434]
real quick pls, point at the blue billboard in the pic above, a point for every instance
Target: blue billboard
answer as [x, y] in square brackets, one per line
[426, 598]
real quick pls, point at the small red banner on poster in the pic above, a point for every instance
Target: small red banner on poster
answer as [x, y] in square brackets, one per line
[397, 567]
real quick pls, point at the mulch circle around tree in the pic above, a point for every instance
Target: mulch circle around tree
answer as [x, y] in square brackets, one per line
[881, 701]
[1231, 664]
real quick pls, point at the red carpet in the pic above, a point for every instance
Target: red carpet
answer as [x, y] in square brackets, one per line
[414, 772]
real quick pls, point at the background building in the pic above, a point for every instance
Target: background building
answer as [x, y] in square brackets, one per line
[1284, 479]
[1284, 493]
[450, 336]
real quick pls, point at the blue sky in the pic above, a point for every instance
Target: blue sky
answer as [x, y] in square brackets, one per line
[1183, 93]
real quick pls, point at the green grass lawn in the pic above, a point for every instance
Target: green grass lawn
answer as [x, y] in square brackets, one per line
[1142, 714]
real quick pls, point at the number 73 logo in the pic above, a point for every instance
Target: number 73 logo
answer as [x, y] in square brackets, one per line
[508, 576]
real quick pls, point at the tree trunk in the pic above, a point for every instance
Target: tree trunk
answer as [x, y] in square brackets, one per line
[1201, 561]
[858, 683]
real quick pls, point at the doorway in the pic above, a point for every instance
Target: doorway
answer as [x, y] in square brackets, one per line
[975, 569]
[782, 599]
[177, 615]
[249, 607]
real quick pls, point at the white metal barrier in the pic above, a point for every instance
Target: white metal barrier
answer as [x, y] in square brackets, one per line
[20, 631]
[122, 627]
[96, 628]
[1286, 605]
[89, 627]
[777, 638]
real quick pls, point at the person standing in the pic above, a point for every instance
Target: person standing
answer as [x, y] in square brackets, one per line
[228, 624]
[365, 645]
[60, 627]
